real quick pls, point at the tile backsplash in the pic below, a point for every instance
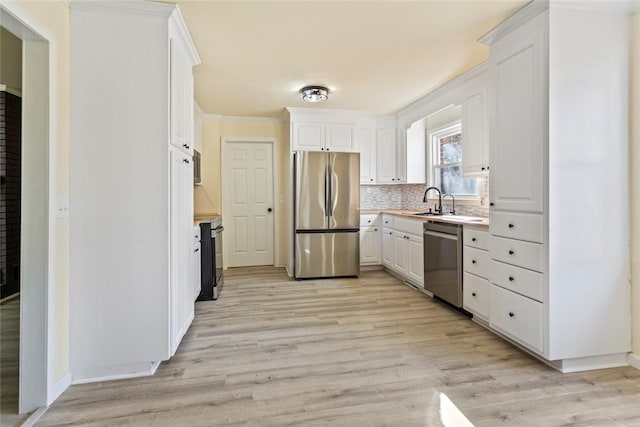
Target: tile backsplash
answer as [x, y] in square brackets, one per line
[409, 196]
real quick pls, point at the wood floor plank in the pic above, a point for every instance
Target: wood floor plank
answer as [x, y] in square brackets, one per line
[345, 352]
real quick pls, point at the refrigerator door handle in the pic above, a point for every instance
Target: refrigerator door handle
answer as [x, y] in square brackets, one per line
[330, 198]
[326, 191]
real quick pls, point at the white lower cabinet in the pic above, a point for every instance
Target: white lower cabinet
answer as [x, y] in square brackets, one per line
[370, 239]
[387, 247]
[476, 263]
[518, 317]
[475, 295]
[402, 248]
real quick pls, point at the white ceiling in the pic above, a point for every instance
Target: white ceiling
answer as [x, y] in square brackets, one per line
[375, 56]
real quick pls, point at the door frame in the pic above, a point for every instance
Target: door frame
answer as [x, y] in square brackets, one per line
[226, 145]
[38, 387]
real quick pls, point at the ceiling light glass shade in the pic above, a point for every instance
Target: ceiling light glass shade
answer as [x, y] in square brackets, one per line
[314, 93]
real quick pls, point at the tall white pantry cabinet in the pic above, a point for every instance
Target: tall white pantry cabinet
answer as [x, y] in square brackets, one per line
[559, 184]
[131, 187]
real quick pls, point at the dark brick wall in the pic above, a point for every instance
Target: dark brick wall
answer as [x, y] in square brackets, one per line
[10, 171]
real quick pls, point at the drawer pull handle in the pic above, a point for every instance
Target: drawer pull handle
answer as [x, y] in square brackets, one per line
[511, 314]
[473, 239]
[473, 294]
[473, 261]
[510, 225]
[511, 252]
[511, 279]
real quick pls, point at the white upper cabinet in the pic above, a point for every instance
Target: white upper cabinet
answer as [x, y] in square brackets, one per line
[181, 96]
[340, 136]
[518, 85]
[475, 125]
[366, 138]
[387, 159]
[323, 130]
[308, 136]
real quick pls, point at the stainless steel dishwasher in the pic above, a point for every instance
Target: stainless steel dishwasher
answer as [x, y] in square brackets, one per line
[443, 261]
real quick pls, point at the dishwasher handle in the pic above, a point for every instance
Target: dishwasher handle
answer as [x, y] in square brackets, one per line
[441, 235]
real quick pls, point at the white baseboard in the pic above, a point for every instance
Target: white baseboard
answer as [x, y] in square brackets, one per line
[35, 417]
[59, 387]
[118, 373]
[634, 360]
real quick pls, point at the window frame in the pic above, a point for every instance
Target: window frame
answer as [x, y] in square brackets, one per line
[433, 169]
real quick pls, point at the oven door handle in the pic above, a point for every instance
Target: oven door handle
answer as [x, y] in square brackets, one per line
[441, 235]
[217, 231]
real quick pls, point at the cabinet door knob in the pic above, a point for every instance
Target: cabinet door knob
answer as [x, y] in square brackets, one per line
[473, 239]
[185, 146]
[473, 261]
[196, 250]
[393, 179]
[322, 148]
[511, 252]
[375, 229]
[370, 179]
[491, 204]
[186, 160]
[511, 314]
[483, 168]
[511, 279]
[369, 221]
[510, 225]
[269, 210]
[487, 167]
[473, 294]
[327, 149]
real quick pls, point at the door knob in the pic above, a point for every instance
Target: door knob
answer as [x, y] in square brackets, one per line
[269, 209]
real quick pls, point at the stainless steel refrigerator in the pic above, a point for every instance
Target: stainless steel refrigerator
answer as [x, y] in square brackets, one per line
[327, 214]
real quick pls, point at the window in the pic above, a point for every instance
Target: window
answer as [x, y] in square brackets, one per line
[446, 163]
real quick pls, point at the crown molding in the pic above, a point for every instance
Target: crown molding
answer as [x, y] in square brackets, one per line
[514, 21]
[224, 118]
[12, 90]
[138, 7]
[183, 32]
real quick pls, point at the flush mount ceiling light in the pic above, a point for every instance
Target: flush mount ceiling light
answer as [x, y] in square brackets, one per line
[314, 93]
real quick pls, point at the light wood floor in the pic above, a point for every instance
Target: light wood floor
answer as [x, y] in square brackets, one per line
[365, 352]
[9, 362]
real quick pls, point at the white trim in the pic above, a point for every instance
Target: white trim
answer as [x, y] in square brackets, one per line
[183, 32]
[220, 117]
[276, 188]
[139, 370]
[322, 111]
[634, 360]
[127, 7]
[59, 387]
[35, 417]
[516, 20]
[198, 110]
[12, 90]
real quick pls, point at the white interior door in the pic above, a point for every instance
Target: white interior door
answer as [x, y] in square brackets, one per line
[247, 203]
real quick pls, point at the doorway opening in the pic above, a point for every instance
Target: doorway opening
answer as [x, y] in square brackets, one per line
[29, 260]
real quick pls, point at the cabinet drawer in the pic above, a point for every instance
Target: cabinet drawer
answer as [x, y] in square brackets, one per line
[526, 282]
[367, 220]
[516, 252]
[521, 226]
[413, 226]
[517, 316]
[476, 238]
[475, 295]
[476, 261]
[387, 220]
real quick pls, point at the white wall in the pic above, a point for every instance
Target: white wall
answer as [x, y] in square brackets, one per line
[635, 184]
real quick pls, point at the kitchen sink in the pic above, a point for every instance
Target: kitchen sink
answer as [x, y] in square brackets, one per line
[427, 214]
[463, 218]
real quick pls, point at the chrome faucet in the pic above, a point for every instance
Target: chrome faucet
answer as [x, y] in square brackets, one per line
[453, 203]
[438, 209]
